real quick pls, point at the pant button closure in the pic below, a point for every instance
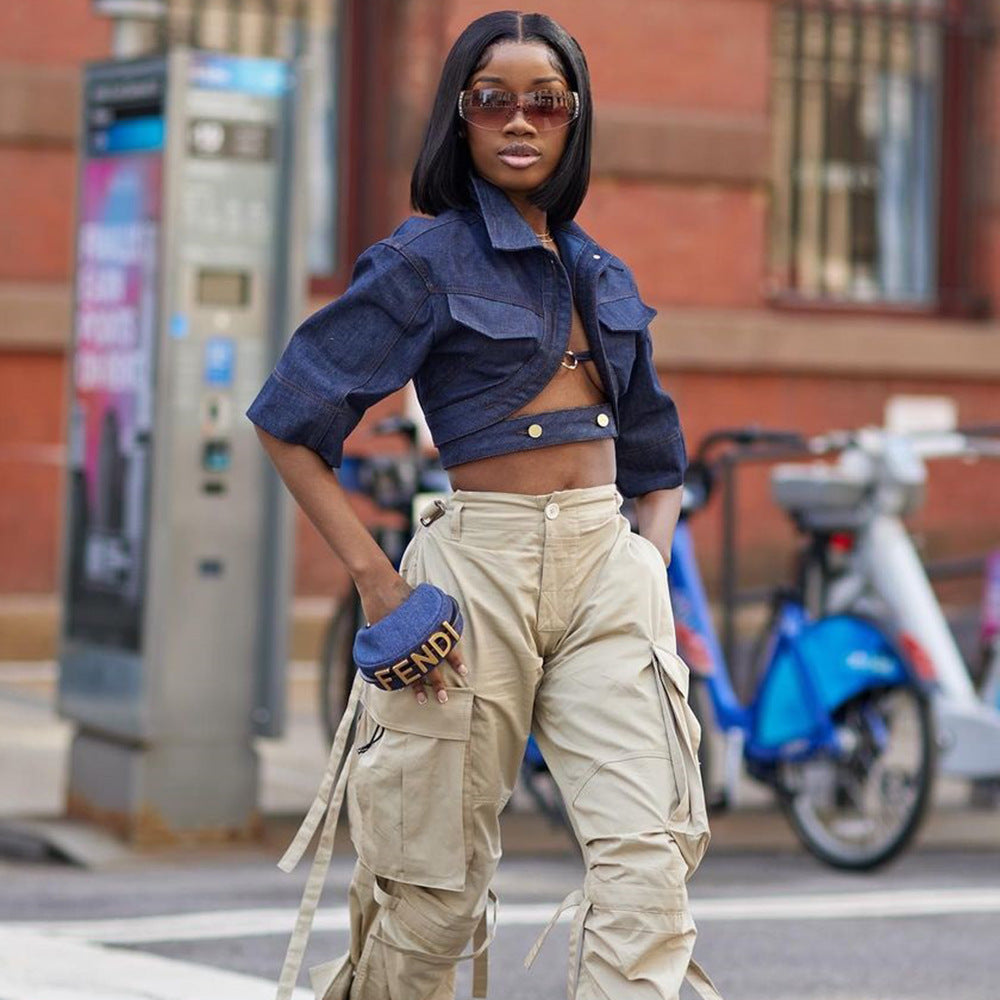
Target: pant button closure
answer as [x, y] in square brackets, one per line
[552, 511]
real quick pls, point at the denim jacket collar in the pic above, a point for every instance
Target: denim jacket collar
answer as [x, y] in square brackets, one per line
[507, 228]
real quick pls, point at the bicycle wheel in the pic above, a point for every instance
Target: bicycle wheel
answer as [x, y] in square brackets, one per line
[337, 664]
[860, 809]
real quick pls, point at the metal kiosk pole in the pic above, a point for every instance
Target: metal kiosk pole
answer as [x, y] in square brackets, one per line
[176, 568]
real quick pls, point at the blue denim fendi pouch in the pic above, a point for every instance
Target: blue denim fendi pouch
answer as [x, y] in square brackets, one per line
[410, 641]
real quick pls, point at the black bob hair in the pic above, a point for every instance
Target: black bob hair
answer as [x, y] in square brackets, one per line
[441, 175]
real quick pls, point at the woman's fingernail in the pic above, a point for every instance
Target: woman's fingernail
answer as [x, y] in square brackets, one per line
[442, 696]
[462, 669]
[421, 699]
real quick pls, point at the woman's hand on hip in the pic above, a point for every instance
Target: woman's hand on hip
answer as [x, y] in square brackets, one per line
[385, 592]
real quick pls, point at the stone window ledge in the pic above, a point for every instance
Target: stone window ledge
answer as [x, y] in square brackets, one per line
[37, 316]
[764, 340]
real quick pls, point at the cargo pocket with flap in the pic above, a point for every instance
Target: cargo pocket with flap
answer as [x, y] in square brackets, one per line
[688, 823]
[409, 790]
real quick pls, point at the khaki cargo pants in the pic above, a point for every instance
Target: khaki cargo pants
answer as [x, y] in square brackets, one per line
[569, 635]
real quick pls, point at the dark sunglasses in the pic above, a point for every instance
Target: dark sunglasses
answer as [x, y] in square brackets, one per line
[492, 109]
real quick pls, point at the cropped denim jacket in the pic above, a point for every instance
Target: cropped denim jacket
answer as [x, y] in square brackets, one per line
[477, 312]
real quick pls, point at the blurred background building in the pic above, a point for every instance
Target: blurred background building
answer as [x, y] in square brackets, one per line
[808, 192]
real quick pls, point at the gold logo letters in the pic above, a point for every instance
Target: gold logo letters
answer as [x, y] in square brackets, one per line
[421, 660]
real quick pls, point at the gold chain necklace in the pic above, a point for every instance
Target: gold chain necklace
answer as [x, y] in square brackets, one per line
[545, 237]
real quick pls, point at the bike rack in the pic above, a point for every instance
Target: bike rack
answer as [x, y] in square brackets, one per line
[731, 596]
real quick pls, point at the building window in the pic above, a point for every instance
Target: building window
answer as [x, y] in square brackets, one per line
[860, 149]
[322, 176]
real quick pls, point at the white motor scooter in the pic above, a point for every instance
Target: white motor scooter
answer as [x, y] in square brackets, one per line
[861, 500]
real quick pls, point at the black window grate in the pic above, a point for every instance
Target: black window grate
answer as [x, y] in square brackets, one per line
[861, 88]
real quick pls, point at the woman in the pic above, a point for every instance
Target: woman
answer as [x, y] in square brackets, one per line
[529, 349]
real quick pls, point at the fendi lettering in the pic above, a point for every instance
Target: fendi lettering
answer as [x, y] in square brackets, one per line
[383, 676]
[441, 643]
[420, 661]
[424, 659]
[405, 672]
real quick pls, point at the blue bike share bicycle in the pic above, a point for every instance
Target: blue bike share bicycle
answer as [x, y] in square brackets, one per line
[838, 723]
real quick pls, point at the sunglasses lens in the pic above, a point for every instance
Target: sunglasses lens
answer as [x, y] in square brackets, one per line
[547, 109]
[492, 109]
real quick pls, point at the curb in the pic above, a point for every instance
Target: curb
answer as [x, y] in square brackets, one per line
[748, 831]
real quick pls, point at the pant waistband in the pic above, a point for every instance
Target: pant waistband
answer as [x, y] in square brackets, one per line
[582, 498]
[515, 518]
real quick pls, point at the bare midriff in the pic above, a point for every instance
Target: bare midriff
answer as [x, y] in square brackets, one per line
[575, 465]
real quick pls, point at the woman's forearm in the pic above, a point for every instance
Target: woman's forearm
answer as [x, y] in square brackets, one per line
[657, 513]
[326, 504]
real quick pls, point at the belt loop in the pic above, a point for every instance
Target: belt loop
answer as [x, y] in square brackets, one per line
[455, 509]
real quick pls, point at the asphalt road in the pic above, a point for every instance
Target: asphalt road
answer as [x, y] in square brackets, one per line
[772, 927]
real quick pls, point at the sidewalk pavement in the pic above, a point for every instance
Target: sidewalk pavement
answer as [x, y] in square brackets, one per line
[34, 744]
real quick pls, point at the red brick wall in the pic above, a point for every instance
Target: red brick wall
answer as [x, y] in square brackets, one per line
[39, 195]
[663, 53]
[37, 198]
[52, 32]
[690, 243]
[31, 460]
[686, 245]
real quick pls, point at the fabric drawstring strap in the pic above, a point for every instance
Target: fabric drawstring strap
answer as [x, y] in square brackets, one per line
[481, 940]
[698, 978]
[575, 898]
[695, 974]
[328, 805]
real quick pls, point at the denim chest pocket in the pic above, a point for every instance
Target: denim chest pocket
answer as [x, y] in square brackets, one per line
[494, 319]
[484, 343]
[621, 321]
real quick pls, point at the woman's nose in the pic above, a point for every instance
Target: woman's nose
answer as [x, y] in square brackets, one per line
[519, 123]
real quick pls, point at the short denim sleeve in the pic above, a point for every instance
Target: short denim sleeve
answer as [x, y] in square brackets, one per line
[347, 356]
[650, 449]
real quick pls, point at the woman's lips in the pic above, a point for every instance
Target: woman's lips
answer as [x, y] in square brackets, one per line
[519, 156]
[520, 162]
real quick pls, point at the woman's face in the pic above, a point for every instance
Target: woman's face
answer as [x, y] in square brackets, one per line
[519, 157]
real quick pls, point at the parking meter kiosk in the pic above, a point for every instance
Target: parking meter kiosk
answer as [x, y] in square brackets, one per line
[176, 537]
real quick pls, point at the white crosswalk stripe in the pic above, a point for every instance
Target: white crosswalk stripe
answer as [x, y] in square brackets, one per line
[71, 960]
[222, 924]
[43, 967]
